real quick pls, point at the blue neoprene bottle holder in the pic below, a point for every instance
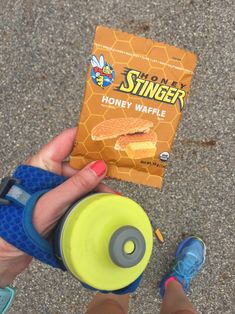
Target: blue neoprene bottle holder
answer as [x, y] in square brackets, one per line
[16, 227]
[18, 196]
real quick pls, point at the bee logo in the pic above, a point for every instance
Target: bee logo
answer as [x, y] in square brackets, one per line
[102, 73]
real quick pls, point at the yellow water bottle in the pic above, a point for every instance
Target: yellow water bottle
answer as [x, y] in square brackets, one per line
[105, 241]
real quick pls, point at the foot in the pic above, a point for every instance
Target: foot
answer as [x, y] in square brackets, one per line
[190, 256]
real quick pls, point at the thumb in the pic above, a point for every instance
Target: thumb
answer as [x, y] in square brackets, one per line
[52, 205]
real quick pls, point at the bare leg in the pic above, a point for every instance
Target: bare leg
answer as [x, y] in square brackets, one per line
[175, 300]
[109, 304]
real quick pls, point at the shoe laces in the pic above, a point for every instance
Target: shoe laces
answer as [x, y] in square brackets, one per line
[187, 267]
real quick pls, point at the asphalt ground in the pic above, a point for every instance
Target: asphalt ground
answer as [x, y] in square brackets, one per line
[45, 48]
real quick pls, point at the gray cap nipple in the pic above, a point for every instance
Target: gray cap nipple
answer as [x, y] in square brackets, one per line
[127, 247]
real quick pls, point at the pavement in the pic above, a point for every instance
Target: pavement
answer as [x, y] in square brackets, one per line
[45, 48]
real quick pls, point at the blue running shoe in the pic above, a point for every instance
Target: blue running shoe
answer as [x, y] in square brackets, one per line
[190, 256]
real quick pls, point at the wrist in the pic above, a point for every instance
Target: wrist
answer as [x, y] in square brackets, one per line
[4, 275]
[4, 282]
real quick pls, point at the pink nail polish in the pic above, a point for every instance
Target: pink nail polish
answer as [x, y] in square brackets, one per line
[118, 193]
[172, 278]
[99, 167]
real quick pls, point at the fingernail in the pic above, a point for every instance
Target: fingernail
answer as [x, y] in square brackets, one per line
[99, 167]
[118, 193]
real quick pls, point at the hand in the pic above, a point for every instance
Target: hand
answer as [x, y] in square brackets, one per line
[52, 205]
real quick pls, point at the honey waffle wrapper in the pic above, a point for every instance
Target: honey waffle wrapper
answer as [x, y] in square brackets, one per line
[136, 90]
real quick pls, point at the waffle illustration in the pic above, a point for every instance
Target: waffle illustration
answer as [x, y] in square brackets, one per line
[113, 128]
[123, 141]
[141, 150]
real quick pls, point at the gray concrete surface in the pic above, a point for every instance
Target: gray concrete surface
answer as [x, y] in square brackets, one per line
[45, 47]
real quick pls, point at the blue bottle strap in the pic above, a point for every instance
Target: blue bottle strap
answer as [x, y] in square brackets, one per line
[16, 225]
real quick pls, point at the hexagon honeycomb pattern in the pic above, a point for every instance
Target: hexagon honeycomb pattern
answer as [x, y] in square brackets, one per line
[157, 60]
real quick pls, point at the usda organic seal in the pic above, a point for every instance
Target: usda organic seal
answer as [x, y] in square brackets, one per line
[164, 156]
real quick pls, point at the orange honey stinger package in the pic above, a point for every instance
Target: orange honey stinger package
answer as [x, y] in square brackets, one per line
[135, 93]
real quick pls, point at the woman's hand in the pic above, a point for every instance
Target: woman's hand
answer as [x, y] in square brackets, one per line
[52, 205]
